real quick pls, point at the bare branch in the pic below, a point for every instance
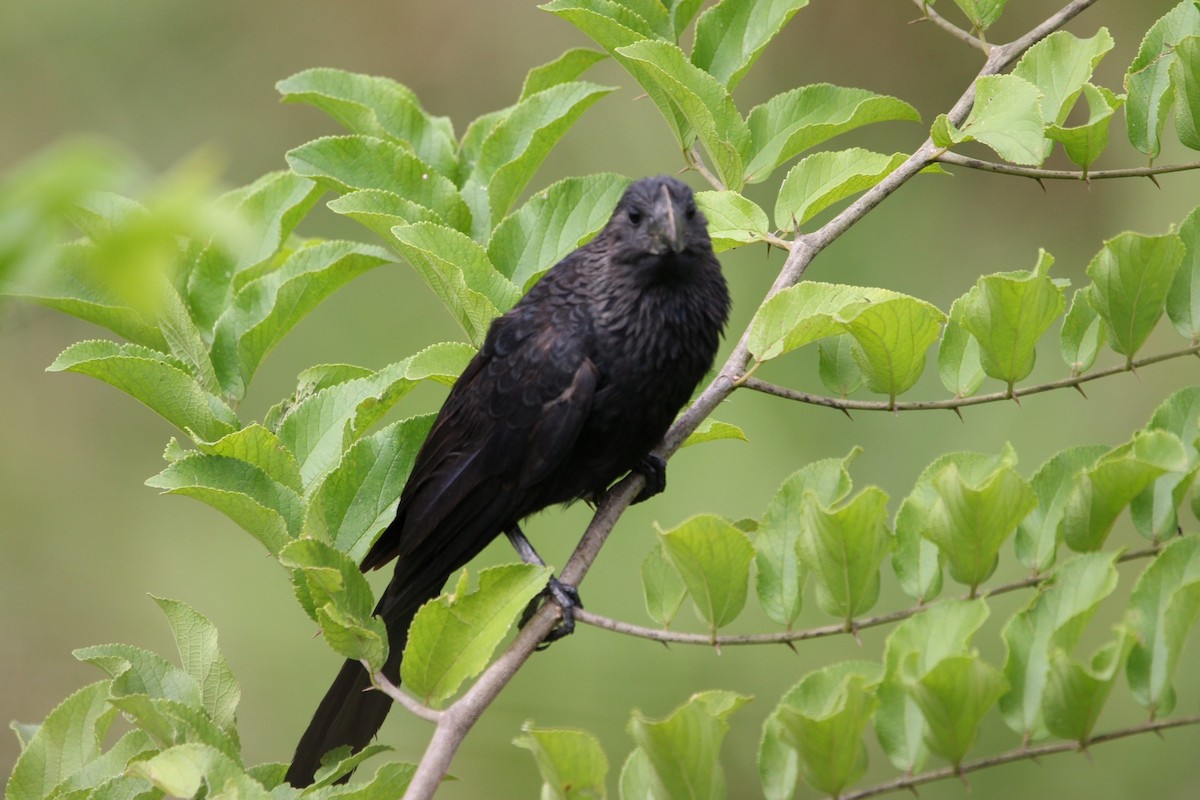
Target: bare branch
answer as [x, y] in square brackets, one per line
[787, 637]
[950, 27]
[696, 162]
[955, 403]
[1062, 174]
[1019, 754]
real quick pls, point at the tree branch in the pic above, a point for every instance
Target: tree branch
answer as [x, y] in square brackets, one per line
[380, 682]
[1062, 174]
[457, 719]
[1019, 754]
[950, 27]
[954, 403]
[787, 637]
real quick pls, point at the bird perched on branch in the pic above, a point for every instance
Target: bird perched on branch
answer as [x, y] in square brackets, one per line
[572, 389]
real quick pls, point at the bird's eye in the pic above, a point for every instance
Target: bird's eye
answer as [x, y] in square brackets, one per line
[635, 217]
[690, 212]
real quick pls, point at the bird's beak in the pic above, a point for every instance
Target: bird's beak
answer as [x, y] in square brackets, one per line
[672, 225]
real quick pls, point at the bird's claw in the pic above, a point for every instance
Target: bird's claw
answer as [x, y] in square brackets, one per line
[567, 598]
[654, 469]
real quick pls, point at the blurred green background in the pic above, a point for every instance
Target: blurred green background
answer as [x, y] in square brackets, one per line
[83, 541]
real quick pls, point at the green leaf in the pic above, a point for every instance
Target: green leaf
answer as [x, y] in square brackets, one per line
[265, 309]
[843, 550]
[357, 499]
[380, 210]
[333, 768]
[1148, 81]
[958, 360]
[683, 749]
[182, 770]
[453, 637]
[1102, 491]
[1084, 143]
[712, 430]
[271, 207]
[836, 365]
[1083, 333]
[805, 313]
[105, 777]
[700, 99]
[1131, 277]
[258, 446]
[196, 640]
[662, 587]
[1007, 313]
[1183, 298]
[184, 339]
[74, 287]
[982, 13]
[335, 594]
[732, 219]
[68, 740]
[613, 26]
[1060, 66]
[515, 148]
[817, 730]
[325, 418]
[638, 780]
[780, 581]
[346, 163]
[1007, 117]
[567, 67]
[156, 380]
[713, 558]
[268, 510]
[1055, 618]
[914, 648]
[172, 722]
[389, 782]
[459, 272]
[1037, 539]
[953, 698]
[1185, 75]
[681, 13]
[792, 122]
[379, 107]
[979, 504]
[822, 179]
[892, 338]
[551, 224]
[1076, 692]
[571, 762]
[731, 35]
[1164, 605]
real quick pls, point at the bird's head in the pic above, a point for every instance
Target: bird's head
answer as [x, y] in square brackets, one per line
[656, 221]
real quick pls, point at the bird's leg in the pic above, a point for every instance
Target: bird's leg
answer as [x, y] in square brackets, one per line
[654, 469]
[562, 593]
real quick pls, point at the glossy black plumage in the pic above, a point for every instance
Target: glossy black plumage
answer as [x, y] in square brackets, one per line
[572, 387]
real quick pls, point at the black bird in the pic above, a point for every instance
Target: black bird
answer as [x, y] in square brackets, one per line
[572, 389]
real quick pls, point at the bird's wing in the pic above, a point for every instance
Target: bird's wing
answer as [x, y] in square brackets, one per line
[512, 418]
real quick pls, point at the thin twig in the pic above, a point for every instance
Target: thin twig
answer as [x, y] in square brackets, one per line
[1062, 174]
[950, 27]
[1019, 754]
[786, 637]
[697, 163]
[458, 718]
[380, 682]
[960, 402]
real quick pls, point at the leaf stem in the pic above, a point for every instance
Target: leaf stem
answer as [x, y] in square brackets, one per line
[955, 403]
[950, 27]
[910, 782]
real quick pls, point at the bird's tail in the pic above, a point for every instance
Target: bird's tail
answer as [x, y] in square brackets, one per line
[351, 713]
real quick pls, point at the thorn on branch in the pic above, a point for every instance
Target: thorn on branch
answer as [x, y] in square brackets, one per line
[958, 412]
[1154, 180]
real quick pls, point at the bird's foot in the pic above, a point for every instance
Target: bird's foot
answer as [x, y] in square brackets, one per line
[654, 469]
[567, 597]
